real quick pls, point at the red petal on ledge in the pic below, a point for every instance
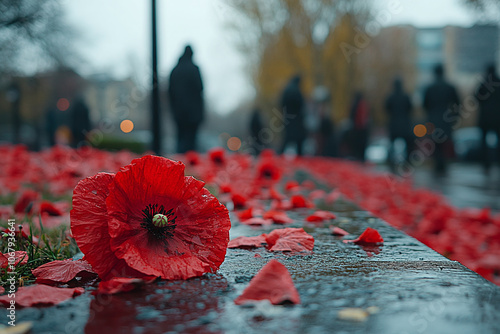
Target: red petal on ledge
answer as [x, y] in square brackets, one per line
[369, 236]
[289, 240]
[62, 271]
[320, 216]
[41, 295]
[247, 242]
[338, 231]
[278, 217]
[273, 283]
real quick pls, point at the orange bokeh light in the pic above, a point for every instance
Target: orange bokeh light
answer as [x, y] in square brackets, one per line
[234, 143]
[127, 125]
[62, 104]
[420, 130]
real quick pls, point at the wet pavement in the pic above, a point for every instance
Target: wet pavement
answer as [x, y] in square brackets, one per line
[407, 287]
[465, 185]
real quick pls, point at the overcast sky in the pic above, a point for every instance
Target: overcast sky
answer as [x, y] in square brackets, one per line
[116, 38]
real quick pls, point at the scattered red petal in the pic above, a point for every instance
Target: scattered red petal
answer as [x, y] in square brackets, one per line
[278, 217]
[320, 216]
[20, 257]
[257, 221]
[257, 255]
[274, 283]
[369, 236]
[225, 189]
[50, 208]
[338, 231]
[62, 271]
[289, 240]
[239, 201]
[275, 194]
[245, 214]
[41, 295]
[298, 201]
[247, 242]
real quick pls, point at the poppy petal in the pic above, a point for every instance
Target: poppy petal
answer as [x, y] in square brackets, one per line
[89, 226]
[247, 242]
[289, 240]
[369, 236]
[274, 283]
[41, 295]
[338, 231]
[62, 271]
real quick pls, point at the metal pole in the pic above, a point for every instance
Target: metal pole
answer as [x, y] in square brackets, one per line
[155, 94]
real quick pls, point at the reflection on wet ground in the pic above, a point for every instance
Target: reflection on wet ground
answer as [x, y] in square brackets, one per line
[464, 185]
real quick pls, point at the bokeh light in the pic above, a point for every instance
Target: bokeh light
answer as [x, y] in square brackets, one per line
[420, 130]
[126, 125]
[234, 143]
[62, 104]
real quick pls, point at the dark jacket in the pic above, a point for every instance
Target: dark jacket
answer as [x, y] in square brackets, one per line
[440, 101]
[398, 106]
[292, 103]
[488, 97]
[186, 91]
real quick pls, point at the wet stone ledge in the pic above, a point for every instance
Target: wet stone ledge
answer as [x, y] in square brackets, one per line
[406, 288]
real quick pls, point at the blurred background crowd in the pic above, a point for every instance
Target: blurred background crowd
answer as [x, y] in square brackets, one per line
[393, 82]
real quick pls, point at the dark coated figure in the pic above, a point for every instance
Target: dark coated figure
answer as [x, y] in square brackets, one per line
[360, 120]
[292, 104]
[256, 126]
[80, 122]
[488, 97]
[185, 93]
[399, 107]
[440, 103]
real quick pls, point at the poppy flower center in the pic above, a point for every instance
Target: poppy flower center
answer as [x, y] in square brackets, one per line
[159, 222]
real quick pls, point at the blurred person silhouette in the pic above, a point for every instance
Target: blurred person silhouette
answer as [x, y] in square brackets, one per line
[360, 117]
[80, 121]
[440, 99]
[292, 104]
[488, 97]
[185, 93]
[256, 127]
[399, 107]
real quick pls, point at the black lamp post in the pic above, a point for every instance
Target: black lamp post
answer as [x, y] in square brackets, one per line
[155, 94]
[14, 97]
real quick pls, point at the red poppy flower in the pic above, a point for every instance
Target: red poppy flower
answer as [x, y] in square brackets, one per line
[289, 240]
[369, 236]
[338, 231]
[320, 216]
[149, 220]
[62, 271]
[217, 155]
[50, 209]
[268, 170]
[238, 200]
[298, 201]
[274, 283]
[245, 214]
[193, 158]
[26, 201]
[247, 242]
[41, 295]
[121, 284]
[279, 217]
